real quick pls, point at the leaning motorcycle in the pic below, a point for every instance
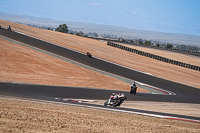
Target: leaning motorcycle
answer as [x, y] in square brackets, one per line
[89, 55]
[115, 102]
[133, 90]
[9, 28]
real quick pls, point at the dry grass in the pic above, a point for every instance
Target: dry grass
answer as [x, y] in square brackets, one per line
[21, 64]
[101, 50]
[41, 117]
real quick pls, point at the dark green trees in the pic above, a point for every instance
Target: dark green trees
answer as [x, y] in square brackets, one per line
[169, 46]
[62, 28]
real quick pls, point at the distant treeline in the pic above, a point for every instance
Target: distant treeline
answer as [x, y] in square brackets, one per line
[64, 28]
[188, 48]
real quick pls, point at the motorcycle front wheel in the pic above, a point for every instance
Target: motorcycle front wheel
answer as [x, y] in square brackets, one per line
[106, 103]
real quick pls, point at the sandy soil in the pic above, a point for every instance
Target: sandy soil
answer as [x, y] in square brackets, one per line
[165, 107]
[42, 117]
[101, 50]
[21, 64]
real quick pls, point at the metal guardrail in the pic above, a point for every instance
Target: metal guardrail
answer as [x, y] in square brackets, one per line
[156, 57]
[154, 47]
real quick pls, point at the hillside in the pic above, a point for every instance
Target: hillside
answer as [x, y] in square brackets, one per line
[131, 60]
[21, 64]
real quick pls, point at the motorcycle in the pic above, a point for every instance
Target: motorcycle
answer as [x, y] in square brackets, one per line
[89, 55]
[9, 28]
[133, 90]
[115, 100]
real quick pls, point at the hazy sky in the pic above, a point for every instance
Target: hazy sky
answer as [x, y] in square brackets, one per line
[173, 16]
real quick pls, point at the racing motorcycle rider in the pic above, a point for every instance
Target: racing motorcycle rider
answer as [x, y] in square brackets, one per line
[133, 87]
[89, 55]
[114, 96]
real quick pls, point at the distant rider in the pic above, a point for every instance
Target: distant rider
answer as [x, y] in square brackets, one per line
[133, 86]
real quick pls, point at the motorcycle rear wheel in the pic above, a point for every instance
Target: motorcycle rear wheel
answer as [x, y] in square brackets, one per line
[116, 103]
[131, 91]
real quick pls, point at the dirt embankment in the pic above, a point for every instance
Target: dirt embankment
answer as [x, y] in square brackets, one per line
[20, 64]
[41, 117]
[131, 60]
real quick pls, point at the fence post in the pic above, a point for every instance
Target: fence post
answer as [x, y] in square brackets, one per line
[195, 68]
[189, 66]
[167, 60]
[192, 67]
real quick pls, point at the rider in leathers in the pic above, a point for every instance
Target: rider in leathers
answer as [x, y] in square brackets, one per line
[133, 86]
[112, 97]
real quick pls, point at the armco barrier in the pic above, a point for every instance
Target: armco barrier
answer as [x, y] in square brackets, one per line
[196, 68]
[181, 64]
[166, 60]
[192, 67]
[188, 66]
[160, 58]
[155, 47]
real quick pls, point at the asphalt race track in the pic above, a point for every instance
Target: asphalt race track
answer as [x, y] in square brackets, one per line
[184, 93]
[50, 93]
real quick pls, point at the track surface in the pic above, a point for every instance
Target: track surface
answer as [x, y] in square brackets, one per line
[184, 94]
[49, 93]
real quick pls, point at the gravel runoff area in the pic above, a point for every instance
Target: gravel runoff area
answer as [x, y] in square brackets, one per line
[15, 67]
[25, 116]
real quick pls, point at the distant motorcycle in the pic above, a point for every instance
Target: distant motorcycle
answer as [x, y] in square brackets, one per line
[133, 88]
[116, 99]
[89, 55]
[9, 28]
